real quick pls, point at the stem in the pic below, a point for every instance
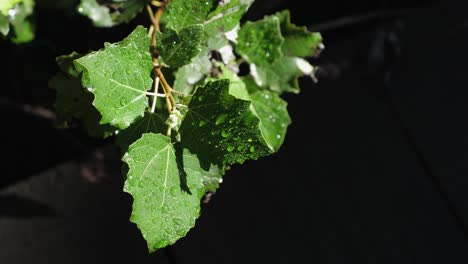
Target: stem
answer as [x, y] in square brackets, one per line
[167, 88]
[178, 92]
[159, 76]
[157, 18]
[157, 3]
[151, 31]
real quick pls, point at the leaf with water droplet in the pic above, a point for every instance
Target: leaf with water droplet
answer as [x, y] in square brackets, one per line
[185, 13]
[178, 49]
[163, 214]
[114, 61]
[298, 41]
[188, 76]
[218, 106]
[272, 111]
[226, 16]
[274, 47]
[260, 42]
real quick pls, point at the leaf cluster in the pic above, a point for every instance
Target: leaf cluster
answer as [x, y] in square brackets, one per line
[175, 100]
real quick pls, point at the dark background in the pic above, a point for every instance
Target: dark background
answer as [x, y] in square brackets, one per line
[374, 168]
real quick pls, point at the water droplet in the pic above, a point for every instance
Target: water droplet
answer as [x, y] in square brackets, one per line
[278, 136]
[165, 209]
[220, 119]
[177, 221]
[249, 140]
[202, 123]
[252, 149]
[148, 200]
[128, 71]
[225, 134]
[123, 102]
[230, 148]
[174, 190]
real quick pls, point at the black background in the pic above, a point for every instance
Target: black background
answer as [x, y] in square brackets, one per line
[374, 168]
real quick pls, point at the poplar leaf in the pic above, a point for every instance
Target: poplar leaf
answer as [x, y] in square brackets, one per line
[119, 76]
[166, 187]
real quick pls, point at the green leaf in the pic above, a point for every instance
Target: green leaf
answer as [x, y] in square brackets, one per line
[71, 97]
[237, 87]
[4, 25]
[178, 49]
[150, 123]
[100, 15]
[166, 189]
[273, 47]
[20, 20]
[65, 63]
[299, 41]
[212, 179]
[226, 16]
[119, 77]
[220, 128]
[111, 12]
[267, 106]
[273, 114]
[281, 76]
[73, 101]
[189, 75]
[260, 42]
[185, 13]
[6, 5]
